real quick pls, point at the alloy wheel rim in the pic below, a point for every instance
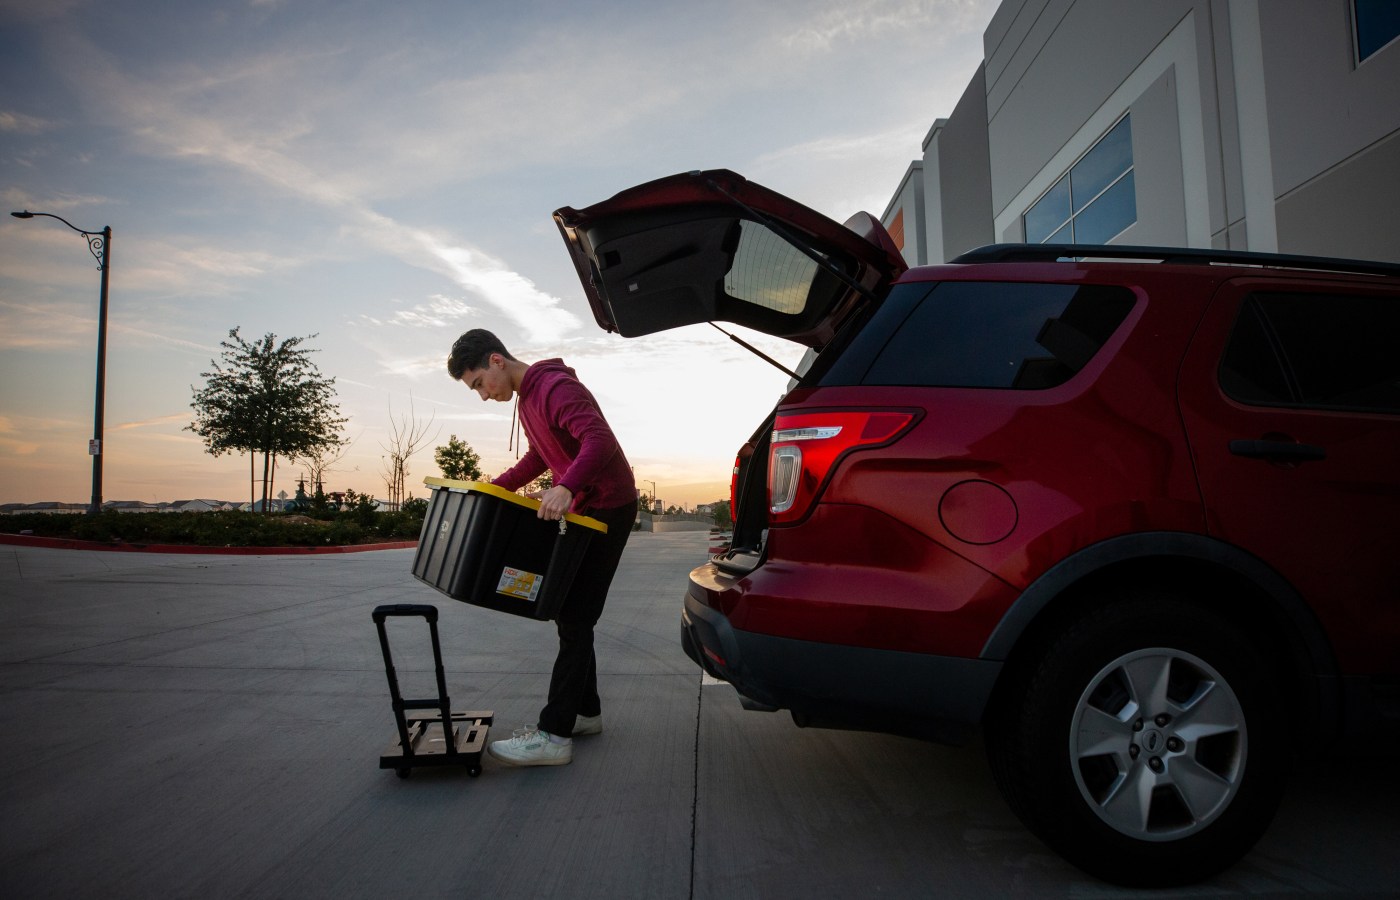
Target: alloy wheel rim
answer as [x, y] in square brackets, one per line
[1158, 744]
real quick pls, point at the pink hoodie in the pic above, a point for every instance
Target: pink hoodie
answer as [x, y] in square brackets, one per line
[569, 436]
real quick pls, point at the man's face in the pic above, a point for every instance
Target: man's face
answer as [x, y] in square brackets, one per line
[491, 381]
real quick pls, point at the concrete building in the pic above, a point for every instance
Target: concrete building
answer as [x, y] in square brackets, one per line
[1227, 124]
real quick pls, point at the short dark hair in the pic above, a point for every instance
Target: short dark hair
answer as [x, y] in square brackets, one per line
[472, 351]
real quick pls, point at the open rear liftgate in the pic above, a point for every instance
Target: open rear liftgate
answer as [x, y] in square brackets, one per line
[422, 724]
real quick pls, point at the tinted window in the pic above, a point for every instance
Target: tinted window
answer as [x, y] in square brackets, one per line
[1326, 351]
[987, 335]
[769, 272]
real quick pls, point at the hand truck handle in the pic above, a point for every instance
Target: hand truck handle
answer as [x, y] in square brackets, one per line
[406, 609]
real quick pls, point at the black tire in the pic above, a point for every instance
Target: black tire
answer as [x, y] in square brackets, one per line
[403, 772]
[1135, 784]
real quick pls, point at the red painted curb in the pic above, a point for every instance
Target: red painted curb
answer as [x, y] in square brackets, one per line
[29, 540]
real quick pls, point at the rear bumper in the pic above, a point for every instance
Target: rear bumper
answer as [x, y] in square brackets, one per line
[837, 686]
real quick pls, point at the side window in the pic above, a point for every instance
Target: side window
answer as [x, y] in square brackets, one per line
[1318, 351]
[996, 335]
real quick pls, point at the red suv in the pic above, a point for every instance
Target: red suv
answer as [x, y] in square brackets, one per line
[1131, 510]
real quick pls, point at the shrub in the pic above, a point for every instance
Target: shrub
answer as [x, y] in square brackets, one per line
[361, 508]
[359, 523]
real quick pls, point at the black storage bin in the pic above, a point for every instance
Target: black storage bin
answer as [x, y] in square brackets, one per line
[484, 545]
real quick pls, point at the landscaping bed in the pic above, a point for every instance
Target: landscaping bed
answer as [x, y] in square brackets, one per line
[223, 529]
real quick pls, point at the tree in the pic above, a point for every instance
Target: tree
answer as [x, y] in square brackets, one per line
[320, 461]
[409, 435]
[266, 397]
[458, 460]
[543, 483]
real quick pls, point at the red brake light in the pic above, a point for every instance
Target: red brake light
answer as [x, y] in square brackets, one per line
[733, 490]
[806, 447]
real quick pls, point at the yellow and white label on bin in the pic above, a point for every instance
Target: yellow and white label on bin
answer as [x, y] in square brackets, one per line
[519, 584]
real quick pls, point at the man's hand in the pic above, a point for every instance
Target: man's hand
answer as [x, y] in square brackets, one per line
[555, 502]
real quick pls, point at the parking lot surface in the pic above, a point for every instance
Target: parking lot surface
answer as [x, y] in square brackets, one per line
[211, 726]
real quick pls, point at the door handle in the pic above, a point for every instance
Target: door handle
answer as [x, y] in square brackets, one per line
[1278, 451]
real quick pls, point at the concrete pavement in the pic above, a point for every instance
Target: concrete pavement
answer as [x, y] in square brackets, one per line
[210, 726]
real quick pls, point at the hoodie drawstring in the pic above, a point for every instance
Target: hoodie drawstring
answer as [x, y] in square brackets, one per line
[513, 443]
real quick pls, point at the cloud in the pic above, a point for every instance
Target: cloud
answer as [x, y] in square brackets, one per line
[157, 421]
[412, 367]
[32, 326]
[12, 447]
[162, 119]
[854, 20]
[204, 261]
[438, 312]
[54, 203]
[19, 123]
[28, 435]
[16, 11]
[826, 150]
[538, 314]
[516, 297]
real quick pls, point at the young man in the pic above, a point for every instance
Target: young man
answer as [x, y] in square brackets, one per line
[569, 437]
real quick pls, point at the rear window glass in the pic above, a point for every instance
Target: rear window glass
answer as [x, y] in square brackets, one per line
[769, 272]
[1321, 351]
[983, 334]
[710, 268]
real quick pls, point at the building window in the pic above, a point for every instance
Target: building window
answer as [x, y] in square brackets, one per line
[1094, 201]
[1377, 24]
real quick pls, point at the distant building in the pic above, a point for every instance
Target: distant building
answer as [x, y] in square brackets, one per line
[201, 505]
[133, 506]
[47, 507]
[1243, 125]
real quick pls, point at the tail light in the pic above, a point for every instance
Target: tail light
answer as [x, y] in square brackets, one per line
[740, 460]
[734, 490]
[806, 447]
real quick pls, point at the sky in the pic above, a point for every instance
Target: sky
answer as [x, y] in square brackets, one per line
[379, 178]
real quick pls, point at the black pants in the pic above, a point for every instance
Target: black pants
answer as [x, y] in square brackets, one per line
[573, 688]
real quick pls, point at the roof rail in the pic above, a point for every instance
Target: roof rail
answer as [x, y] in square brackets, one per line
[1186, 255]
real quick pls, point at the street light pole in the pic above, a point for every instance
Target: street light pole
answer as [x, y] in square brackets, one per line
[653, 493]
[100, 245]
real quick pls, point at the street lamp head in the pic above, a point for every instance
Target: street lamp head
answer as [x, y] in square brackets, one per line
[23, 215]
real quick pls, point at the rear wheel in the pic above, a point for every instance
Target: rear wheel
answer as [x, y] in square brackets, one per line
[1145, 743]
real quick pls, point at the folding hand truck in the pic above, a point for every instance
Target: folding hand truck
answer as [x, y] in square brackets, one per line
[421, 739]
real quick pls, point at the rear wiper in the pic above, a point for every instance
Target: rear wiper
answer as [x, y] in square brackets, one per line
[801, 382]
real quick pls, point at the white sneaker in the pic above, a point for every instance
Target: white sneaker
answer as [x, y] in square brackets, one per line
[532, 747]
[588, 725]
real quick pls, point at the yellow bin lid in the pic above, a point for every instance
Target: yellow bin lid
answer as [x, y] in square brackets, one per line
[486, 487]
